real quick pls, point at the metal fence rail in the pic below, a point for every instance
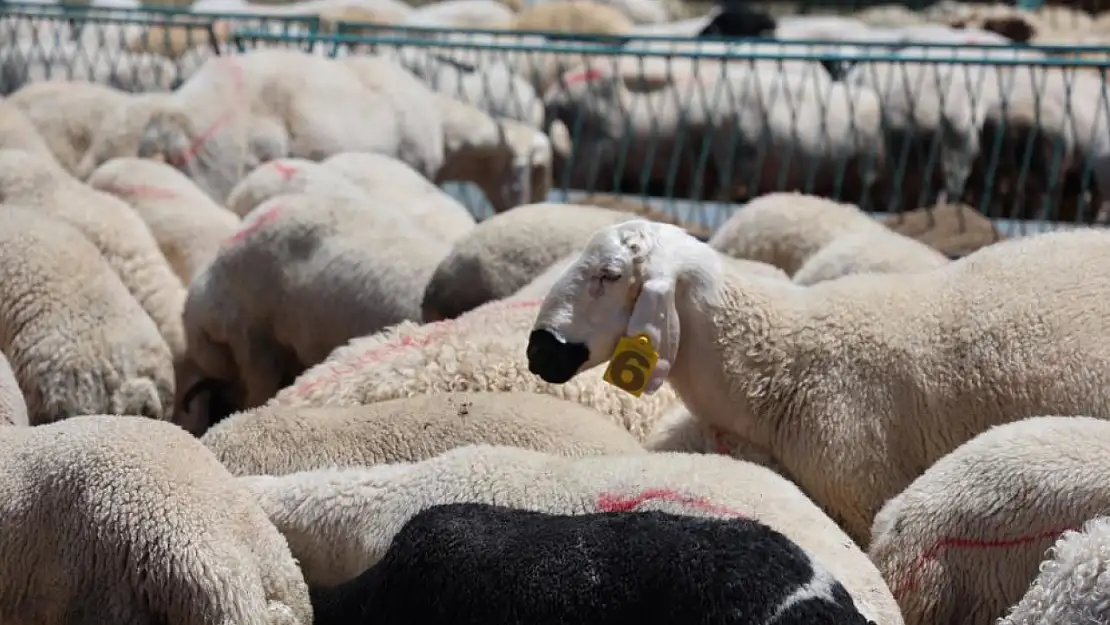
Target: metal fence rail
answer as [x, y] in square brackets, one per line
[693, 126]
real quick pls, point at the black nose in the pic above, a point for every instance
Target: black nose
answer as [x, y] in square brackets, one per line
[553, 359]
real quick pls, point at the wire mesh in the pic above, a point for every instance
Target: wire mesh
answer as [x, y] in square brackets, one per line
[694, 127]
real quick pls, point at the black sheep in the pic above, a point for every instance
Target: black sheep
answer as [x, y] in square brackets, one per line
[735, 19]
[477, 564]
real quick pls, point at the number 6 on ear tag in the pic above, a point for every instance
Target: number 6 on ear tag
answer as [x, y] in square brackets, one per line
[632, 363]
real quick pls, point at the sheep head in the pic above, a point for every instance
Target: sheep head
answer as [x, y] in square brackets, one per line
[622, 284]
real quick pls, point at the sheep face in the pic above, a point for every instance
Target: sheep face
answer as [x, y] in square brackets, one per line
[622, 284]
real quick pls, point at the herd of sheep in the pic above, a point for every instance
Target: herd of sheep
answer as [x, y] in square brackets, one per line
[258, 367]
[884, 113]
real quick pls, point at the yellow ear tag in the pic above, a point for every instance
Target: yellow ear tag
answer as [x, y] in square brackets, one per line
[632, 363]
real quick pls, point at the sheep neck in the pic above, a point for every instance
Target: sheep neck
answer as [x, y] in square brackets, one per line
[746, 327]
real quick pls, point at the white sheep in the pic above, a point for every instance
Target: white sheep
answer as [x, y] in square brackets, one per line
[572, 16]
[492, 86]
[508, 250]
[351, 269]
[76, 339]
[963, 541]
[17, 131]
[110, 224]
[108, 519]
[855, 385]
[433, 210]
[68, 115]
[955, 230]
[281, 440]
[13, 408]
[477, 352]
[186, 223]
[340, 521]
[879, 251]
[463, 14]
[748, 131]
[1072, 586]
[285, 176]
[787, 229]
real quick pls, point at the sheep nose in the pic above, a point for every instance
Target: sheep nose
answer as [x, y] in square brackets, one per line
[552, 358]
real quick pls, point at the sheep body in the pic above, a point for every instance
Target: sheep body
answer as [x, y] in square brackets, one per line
[879, 251]
[368, 507]
[126, 520]
[954, 230]
[76, 339]
[285, 176]
[185, 222]
[964, 540]
[762, 358]
[506, 251]
[352, 268]
[661, 569]
[110, 224]
[281, 440]
[786, 229]
[1071, 588]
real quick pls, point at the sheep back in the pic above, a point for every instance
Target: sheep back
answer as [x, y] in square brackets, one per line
[77, 341]
[13, 408]
[280, 440]
[128, 520]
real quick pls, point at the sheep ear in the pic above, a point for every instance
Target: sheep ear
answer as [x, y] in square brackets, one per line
[655, 315]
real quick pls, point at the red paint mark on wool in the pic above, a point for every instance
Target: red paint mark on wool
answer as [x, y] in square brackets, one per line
[615, 502]
[260, 222]
[285, 171]
[139, 190]
[588, 75]
[379, 352]
[910, 581]
[238, 104]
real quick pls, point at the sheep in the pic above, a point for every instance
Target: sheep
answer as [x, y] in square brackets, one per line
[678, 430]
[786, 229]
[13, 409]
[477, 352]
[955, 230]
[1071, 588]
[278, 441]
[492, 86]
[667, 567]
[505, 252]
[509, 161]
[963, 541]
[68, 115]
[722, 135]
[239, 111]
[737, 19]
[465, 14]
[434, 211]
[339, 522]
[18, 133]
[285, 176]
[352, 270]
[572, 17]
[878, 251]
[763, 358]
[110, 224]
[77, 341]
[110, 519]
[186, 223]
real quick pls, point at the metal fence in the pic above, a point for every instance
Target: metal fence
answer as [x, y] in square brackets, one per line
[694, 127]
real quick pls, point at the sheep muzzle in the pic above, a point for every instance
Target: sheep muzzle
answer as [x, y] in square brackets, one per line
[554, 359]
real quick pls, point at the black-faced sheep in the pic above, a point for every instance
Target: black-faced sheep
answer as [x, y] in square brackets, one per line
[651, 568]
[794, 369]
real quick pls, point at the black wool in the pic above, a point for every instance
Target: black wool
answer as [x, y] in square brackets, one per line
[477, 564]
